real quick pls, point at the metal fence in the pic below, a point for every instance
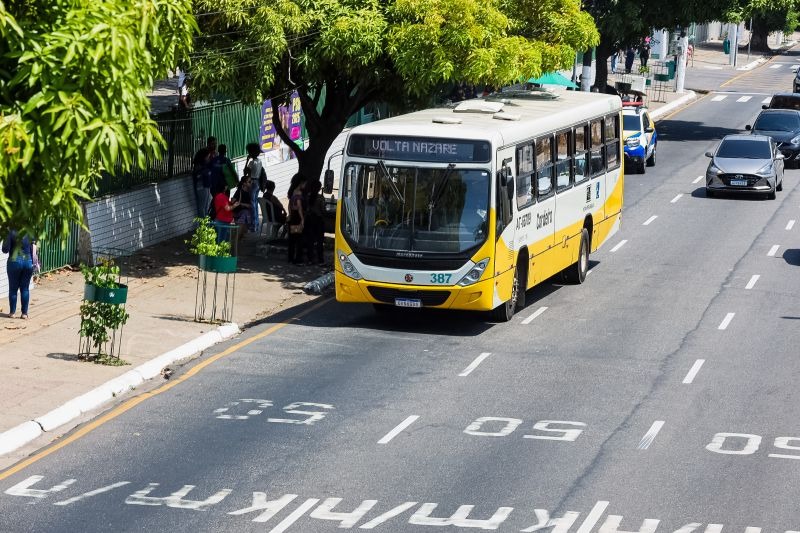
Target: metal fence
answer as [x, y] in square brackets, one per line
[55, 250]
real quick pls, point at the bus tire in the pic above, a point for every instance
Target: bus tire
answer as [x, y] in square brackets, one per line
[576, 272]
[505, 311]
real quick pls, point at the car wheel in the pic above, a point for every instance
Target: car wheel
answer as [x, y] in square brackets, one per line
[651, 161]
[771, 195]
[780, 186]
[710, 193]
[643, 167]
[576, 273]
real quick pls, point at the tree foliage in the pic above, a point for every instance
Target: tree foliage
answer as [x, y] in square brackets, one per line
[74, 83]
[355, 52]
[766, 15]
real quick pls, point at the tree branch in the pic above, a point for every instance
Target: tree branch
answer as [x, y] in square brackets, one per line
[276, 121]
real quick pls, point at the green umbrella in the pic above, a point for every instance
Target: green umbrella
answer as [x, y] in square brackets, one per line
[553, 78]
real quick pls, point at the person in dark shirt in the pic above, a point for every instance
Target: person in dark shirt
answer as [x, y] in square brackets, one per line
[22, 262]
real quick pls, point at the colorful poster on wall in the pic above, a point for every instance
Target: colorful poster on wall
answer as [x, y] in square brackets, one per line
[290, 117]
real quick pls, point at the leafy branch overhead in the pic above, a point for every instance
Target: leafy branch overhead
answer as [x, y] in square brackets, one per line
[74, 83]
[341, 55]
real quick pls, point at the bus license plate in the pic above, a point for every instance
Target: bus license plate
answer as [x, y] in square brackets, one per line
[407, 302]
[741, 183]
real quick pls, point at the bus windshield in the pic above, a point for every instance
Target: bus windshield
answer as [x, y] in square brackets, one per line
[415, 209]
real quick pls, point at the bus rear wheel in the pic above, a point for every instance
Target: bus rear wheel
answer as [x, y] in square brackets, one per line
[576, 273]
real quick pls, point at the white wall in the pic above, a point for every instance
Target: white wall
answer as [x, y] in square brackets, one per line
[3, 280]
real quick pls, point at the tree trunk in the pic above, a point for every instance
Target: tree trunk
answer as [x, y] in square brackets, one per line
[759, 36]
[602, 53]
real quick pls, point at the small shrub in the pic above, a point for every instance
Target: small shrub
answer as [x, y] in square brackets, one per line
[204, 240]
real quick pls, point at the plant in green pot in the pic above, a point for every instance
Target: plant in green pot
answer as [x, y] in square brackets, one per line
[102, 313]
[213, 256]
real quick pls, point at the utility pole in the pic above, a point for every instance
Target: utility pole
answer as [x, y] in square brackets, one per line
[586, 72]
[749, 39]
[680, 75]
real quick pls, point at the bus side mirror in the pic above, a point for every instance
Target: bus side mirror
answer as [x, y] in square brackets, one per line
[327, 184]
[502, 175]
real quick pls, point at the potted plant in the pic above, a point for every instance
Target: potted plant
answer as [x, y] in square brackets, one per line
[102, 312]
[213, 256]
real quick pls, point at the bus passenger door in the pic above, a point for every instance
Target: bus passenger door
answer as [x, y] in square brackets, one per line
[504, 215]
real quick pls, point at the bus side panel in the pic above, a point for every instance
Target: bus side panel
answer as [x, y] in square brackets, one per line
[615, 183]
[569, 223]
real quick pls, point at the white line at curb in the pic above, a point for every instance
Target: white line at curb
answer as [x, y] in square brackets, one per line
[753, 64]
[685, 99]
[24, 433]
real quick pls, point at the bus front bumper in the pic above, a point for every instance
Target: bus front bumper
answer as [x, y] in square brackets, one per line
[476, 297]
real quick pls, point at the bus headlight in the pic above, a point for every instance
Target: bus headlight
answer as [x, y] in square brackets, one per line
[475, 274]
[347, 266]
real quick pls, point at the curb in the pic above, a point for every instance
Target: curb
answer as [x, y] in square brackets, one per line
[753, 64]
[683, 100]
[24, 433]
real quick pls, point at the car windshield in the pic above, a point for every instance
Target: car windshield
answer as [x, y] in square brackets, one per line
[785, 102]
[777, 122]
[631, 122]
[406, 208]
[744, 149]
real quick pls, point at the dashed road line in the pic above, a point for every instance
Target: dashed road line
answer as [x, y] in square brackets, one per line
[790, 225]
[534, 315]
[473, 365]
[775, 66]
[719, 98]
[752, 282]
[693, 371]
[773, 250]
[697, 179]
[726, 321]
[650, 220]
[620, 245]
[678, 197]
[400, 427]
[744, 99]
[650, 436]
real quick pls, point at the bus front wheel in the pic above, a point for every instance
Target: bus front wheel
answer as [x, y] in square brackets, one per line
[505, 311]
[576, 273]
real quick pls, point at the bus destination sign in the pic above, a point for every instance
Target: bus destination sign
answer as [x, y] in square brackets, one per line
[427, 149]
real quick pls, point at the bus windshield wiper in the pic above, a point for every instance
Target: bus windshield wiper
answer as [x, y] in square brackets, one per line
[440, 187]
[385, 173]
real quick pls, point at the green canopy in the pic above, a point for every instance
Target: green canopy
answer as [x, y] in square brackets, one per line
[553, 78]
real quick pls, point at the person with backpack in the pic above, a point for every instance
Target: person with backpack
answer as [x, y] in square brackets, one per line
[223, 170]
[255, 170]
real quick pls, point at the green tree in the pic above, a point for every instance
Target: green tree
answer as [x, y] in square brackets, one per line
[74, 80]
[767, 16]
[343, 54]
[624, 23]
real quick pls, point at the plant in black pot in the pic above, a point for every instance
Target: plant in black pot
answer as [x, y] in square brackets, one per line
[213, 256]
[102, 313]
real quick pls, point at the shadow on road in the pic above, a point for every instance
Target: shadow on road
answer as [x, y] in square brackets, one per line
[682, 131]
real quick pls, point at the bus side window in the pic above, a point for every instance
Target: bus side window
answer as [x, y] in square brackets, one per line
[611, 139]
[503, 205]
[597, 159]
[564, 154]
[524, 175]
[544, 167]
[581, 167]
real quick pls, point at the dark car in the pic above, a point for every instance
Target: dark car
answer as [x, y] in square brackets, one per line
[745, 164]
[783, 126]
[796, 83]
[785, 100]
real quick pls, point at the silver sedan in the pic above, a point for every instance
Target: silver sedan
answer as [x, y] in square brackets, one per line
[745, 163]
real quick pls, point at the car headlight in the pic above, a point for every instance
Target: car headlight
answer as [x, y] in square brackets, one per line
[766, 170]
[347, 267]
[796, 140]
[632, 142]
[475, 274]
[714, 169]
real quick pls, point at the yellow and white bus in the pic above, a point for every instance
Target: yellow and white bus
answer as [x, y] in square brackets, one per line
[465, 208]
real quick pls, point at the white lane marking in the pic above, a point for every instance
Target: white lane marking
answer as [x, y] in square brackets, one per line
[775, 66]
[534, 315]
[674, 200]
[697, 179]
[693, 371]
[719, 98]
[649, 220]
[752, 282]
[295, 516]
[650, 436]
[589, 271]
[92, 493]
[400, 427]
[620, 245]
[766, 100]
[790, 225]
[773, 250]
[593, 517]
[726, 321]
[478, 360]
[744, 99]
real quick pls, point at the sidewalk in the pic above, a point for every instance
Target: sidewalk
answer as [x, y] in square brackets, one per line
[37, 361]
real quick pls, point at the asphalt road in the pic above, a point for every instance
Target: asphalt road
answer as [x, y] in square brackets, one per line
[658, 396]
